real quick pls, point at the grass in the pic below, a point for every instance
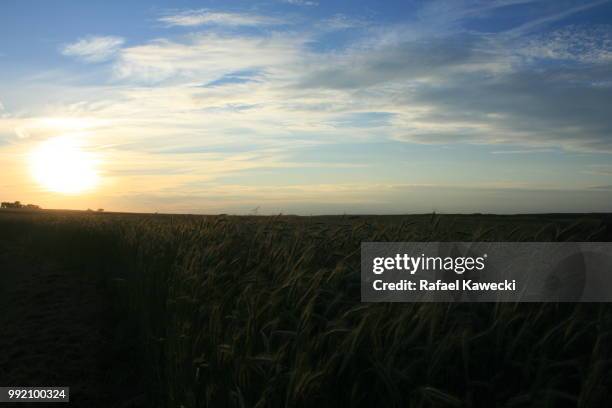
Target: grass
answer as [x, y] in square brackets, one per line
[266, 312]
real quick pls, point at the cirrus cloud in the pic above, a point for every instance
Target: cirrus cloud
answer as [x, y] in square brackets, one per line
[94, 48]
[191, 18]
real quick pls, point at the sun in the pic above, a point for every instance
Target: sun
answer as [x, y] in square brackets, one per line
[62, 166]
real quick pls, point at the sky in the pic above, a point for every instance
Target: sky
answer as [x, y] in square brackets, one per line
[307, 106]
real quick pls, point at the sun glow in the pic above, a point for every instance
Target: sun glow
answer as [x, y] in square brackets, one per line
[61, 165]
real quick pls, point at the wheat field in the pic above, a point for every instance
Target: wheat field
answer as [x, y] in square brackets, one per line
[231, 311]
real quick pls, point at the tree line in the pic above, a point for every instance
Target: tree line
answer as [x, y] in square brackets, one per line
[17, 204]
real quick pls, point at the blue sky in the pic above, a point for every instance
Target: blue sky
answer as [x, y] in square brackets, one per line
[313, 107]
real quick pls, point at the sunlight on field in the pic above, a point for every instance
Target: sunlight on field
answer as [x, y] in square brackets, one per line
[61, 165]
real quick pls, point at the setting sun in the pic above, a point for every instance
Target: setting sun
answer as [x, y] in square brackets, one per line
[62, 166]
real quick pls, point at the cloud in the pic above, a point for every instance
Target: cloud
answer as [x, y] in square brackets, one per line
[452, 14]
[551, 18]
[384, 62]
[587, 44]
[600, 169]
[22, 133]
[366, 198]
[602, 188]
[477, 88]
[523, 151]
[206, 57]
[343, 22]
[441, 87]
[94, 48]
[431, 89]
[551, 107]
[307, 3]
[239, 77]
[191, 18]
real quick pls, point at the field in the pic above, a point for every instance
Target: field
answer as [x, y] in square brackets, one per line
[194, 311]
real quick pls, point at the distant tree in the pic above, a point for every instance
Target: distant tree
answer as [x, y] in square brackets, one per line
[16, 204]
[100, 209]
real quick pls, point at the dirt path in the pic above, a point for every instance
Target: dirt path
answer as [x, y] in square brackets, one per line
[55, 330]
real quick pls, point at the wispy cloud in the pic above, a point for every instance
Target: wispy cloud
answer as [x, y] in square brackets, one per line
[308, 3]
[602, 188]
[600, 169]
[551, 18]
[439, 15]
[588, 44]
[94, 48]
[523, 151]
[343, 22]
[206, 57]
[191, 18]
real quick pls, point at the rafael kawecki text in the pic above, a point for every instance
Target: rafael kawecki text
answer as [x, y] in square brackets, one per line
[412, 265]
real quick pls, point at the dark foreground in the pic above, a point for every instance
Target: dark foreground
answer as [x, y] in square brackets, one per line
[143, 310]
